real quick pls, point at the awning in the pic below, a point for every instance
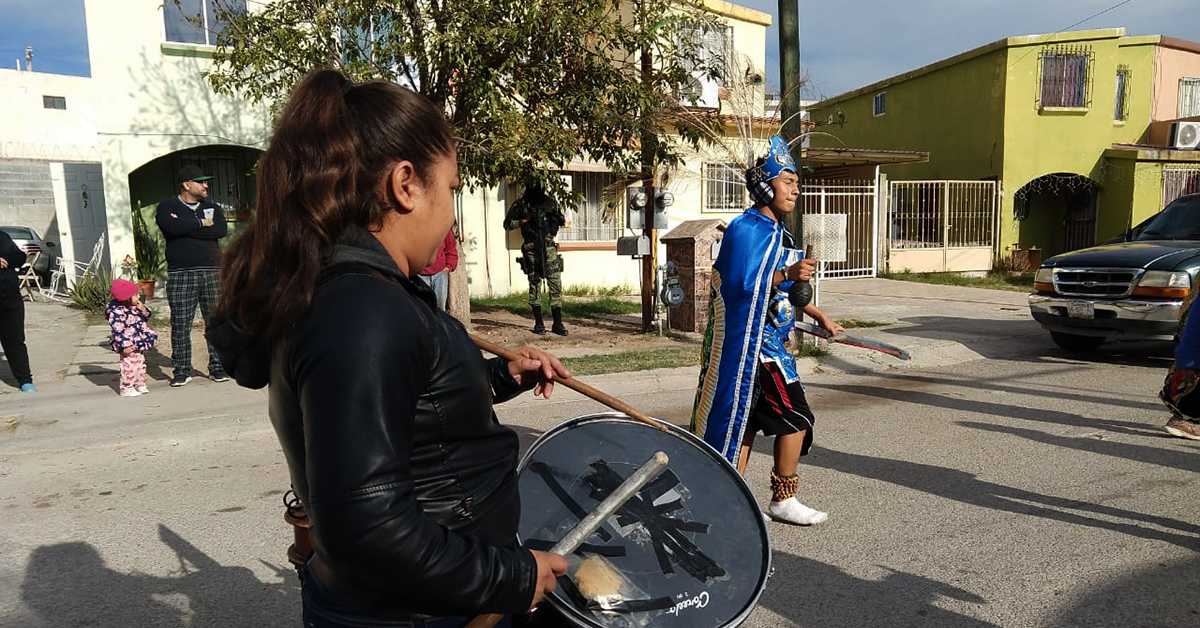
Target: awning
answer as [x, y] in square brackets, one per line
[841, 157]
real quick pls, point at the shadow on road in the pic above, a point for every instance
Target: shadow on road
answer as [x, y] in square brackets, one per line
[974, 405]
[994, 339]
[68, 584]
[818, 594]
[1165, 457]
[1163, 595]
[964, 487]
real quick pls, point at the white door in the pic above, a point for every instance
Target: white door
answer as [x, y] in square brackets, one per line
[84, 184]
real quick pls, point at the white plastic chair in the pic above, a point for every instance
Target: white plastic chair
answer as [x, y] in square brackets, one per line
[30, 282]
[69, 271]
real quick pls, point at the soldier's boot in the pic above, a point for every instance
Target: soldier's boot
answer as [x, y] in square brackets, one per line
[539, 327]
[558, 326]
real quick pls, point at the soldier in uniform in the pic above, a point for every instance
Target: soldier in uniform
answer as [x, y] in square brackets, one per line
[539, 217]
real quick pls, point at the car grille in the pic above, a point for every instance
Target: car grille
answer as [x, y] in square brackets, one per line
[1111, 283]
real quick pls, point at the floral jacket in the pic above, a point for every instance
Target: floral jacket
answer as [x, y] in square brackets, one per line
[129, 328]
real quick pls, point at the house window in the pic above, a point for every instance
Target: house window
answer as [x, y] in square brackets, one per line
[711, 47]
[724, 188]
[1189, 97]
[198, 21]
[54, 102]
[880, 106]
[1066, 77]
[591, 219]
[1121, 103]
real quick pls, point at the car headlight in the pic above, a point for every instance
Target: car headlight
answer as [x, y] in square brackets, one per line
[1164, 284]
[1166, 279]
[1044, 274]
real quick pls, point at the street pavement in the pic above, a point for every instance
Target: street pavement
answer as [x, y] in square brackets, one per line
[992, 480]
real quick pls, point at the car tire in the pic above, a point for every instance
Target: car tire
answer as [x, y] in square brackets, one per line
[1076, 343]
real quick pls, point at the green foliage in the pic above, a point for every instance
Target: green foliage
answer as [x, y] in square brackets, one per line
[528, 85]
[91, 293]
[854, 323]
[150, 256]
[584, 290]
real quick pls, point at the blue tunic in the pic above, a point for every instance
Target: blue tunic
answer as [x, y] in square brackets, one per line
[743, 328]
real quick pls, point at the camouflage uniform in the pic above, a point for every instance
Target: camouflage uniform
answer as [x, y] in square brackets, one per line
[539, 218]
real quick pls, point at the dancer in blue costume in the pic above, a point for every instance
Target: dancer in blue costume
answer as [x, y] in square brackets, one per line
[748, 379]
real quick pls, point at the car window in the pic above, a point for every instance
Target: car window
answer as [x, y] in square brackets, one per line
[1178, 221]
[17, 233]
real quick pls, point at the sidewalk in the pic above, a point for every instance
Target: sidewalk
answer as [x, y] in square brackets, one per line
[937, 325]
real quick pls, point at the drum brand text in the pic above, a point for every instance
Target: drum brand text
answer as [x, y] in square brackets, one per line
[700, 601]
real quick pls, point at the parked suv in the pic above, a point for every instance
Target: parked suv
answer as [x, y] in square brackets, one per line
[29, 241]
[1130, 287]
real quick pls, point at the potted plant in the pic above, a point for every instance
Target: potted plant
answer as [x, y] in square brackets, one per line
[149, 255]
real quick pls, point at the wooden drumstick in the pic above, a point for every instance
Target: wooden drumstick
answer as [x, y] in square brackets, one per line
[573, 384]
[592, 522]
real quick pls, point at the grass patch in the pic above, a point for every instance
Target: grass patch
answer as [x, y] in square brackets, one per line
[1022, 282]
[809, 349]
[627, 361]
[578, 307]
[854, 323]
[583, 290]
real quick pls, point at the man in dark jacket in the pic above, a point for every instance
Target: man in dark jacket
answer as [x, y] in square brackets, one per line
[192, 226]
[12, 314]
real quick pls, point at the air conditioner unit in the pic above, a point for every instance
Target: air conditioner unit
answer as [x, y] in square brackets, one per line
[701, 91]
[1185, 135]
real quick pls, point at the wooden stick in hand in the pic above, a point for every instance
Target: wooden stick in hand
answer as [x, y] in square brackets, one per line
[573, 384]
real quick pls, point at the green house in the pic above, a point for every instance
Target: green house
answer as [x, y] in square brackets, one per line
[1086, 131]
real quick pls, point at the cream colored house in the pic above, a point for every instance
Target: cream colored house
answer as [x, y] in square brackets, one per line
[709, 186]
[105, 143]
[121, 134]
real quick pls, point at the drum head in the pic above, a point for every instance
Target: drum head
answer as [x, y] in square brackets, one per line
[689, 550]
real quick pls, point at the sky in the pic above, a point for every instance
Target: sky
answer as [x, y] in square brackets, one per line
[843, 45]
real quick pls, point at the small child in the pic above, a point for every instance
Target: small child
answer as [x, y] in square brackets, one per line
[131, 335]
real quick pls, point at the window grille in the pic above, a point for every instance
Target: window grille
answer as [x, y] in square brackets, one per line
[197, 21]
[724, 188]
[879, 107]
[711, 47]
[592, 219]
[1121, 103]
[1189, 97]
[1065, 77]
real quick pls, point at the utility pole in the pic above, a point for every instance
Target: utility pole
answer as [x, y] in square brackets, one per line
[649, 142]
[789, 110]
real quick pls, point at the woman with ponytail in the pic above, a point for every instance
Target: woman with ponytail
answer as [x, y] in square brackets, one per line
[381, 402]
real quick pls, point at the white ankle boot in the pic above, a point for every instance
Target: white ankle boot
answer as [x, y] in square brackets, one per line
[791, 510]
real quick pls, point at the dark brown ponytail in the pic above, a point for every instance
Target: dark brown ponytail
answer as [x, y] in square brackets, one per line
[333, 143]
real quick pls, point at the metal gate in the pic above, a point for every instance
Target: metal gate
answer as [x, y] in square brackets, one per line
[849, 207]
[1179, 181]
[943, 226]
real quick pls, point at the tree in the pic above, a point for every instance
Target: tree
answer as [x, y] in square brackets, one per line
[528, 85]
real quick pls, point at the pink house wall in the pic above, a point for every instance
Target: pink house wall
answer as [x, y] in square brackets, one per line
[1176, 59]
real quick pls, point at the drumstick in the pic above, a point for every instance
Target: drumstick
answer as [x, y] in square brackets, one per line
[592, 522]
[573, 384]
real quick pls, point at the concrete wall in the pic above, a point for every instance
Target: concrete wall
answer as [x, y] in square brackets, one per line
[28, 130]
[27, 196]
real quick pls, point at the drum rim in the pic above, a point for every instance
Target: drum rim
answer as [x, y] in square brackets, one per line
[621, 417]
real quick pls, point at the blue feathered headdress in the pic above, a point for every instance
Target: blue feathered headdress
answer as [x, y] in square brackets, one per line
[759, 176]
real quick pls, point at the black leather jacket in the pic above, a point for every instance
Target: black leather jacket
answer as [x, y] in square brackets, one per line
[383, 406]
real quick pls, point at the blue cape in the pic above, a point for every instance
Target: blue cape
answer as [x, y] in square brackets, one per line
[752, 249]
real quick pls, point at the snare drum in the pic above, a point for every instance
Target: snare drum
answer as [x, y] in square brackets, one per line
[689, 550]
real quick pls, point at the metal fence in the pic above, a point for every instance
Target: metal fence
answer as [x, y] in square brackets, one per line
[841, 221]
[940, 214]
[1179, 181]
